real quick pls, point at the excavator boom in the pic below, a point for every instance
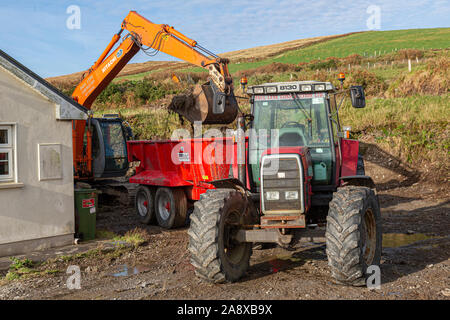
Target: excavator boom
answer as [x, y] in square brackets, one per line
[146, 35]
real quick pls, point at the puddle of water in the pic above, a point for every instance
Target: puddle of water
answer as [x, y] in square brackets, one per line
[126, 271]
[394, 240]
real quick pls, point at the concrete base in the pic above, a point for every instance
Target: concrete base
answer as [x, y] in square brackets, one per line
[26, 246]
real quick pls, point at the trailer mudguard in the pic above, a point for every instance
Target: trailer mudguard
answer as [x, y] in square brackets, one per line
[160, 178]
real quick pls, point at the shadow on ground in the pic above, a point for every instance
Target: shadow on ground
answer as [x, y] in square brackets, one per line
[284, 262]
[430, 223]
[374, 154]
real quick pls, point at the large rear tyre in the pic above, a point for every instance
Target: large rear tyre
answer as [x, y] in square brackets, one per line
[353, 235]
[216, 256]
[170, 207]
[144, 204]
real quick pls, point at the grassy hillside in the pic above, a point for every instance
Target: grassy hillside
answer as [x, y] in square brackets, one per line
[371, 44]
[367, 44]
[407, 113]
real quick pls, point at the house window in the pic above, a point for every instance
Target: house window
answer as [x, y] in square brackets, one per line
[6, 153]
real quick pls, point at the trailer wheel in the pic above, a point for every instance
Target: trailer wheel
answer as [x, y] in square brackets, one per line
[144, 204]
[216, 256]
[353, 234]
[170, 207]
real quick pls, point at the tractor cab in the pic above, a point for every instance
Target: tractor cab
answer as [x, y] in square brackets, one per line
[294, 114]
[296, 126]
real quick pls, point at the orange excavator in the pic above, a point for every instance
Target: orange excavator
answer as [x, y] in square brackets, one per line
[99, 144]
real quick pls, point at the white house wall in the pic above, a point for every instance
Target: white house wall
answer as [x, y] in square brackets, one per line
[39, 209]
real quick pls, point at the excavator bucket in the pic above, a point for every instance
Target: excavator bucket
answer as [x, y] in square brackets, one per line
[206, 104]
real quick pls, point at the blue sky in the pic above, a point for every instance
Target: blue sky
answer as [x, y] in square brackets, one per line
[35, 33]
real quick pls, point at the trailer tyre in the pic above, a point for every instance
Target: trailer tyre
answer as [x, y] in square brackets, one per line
[353, 234]
[215, 255]
[170, 207]
[144, 204]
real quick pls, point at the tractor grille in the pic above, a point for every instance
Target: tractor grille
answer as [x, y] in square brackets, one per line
[288, 178]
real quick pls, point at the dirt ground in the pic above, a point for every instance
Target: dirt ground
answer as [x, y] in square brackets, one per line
[415, 258]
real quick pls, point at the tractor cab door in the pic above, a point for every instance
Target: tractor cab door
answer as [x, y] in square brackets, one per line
[109, 148]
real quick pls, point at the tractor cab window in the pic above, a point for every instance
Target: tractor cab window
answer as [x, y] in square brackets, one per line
[297, 120]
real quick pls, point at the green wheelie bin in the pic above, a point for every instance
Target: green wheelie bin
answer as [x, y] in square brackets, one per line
[85, 213]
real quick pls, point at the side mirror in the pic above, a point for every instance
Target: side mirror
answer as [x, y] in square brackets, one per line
[357, 96]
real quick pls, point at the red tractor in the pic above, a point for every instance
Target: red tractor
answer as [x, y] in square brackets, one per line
[297, 172]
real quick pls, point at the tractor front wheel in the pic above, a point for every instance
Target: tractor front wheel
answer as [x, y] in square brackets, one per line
[215, 254]
[353, 234]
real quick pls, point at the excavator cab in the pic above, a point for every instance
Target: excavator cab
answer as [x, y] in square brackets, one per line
[109, 146]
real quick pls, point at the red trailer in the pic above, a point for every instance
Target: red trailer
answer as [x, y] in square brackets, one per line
[173, 173]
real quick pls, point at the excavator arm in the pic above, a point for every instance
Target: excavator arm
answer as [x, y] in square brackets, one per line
[146, 35]
[210, 103]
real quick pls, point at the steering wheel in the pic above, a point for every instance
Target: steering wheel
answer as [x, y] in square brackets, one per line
[292, 124]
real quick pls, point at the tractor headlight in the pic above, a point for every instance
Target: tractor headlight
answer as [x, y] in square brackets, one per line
[258, 90]
[307, 87]
[271, 90]
[272, 195]
[291, 195]
[319, 87]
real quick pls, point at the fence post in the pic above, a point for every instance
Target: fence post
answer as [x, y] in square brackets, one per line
[409, 65]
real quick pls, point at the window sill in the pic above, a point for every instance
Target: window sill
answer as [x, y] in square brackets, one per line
[11, 185]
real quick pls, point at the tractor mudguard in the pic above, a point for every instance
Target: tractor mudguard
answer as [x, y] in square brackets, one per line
[231, 183]
[364, 181]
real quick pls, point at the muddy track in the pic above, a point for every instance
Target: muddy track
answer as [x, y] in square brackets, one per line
[415, 258]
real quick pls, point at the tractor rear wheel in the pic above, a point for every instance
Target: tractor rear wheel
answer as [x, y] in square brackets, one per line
[143, 202]
[215, 254]
[353, 234]
[170, 207]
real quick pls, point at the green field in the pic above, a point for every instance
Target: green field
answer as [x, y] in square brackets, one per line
[366, 44]
[371, 44]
